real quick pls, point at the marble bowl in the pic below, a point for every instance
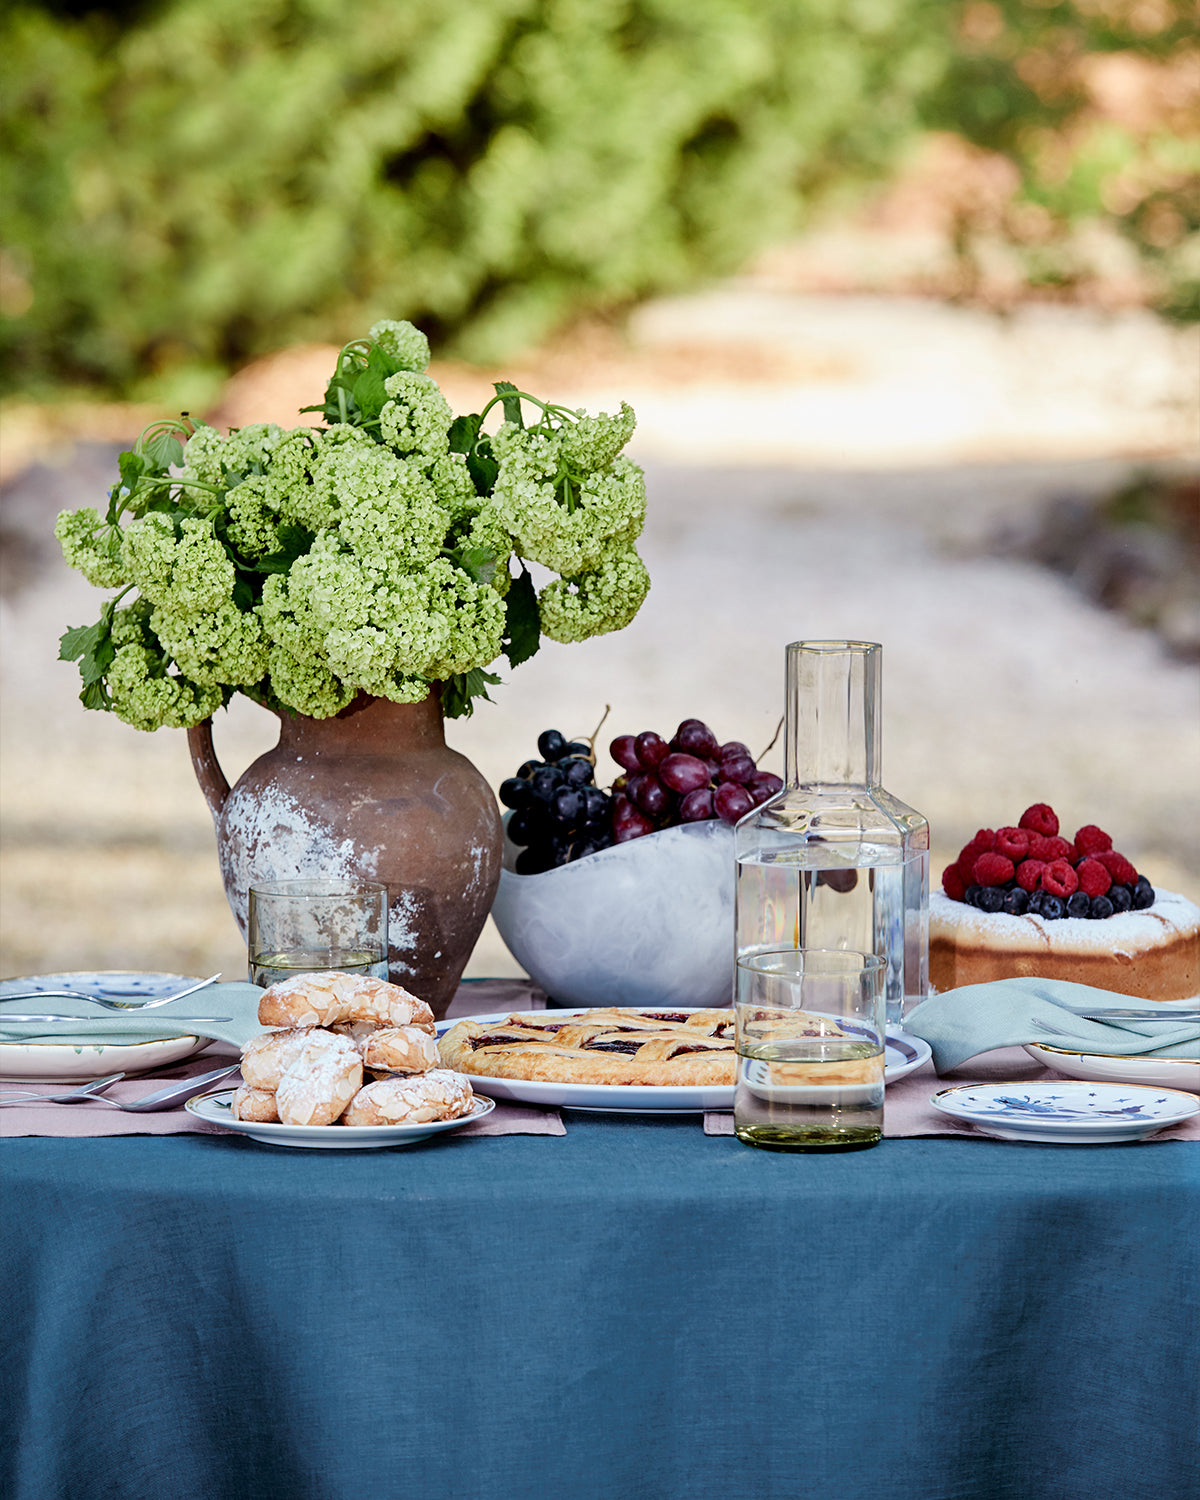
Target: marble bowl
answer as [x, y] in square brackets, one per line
[649, 922]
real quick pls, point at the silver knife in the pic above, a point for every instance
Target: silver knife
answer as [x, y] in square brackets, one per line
[1138, 1015]
[8, 1015]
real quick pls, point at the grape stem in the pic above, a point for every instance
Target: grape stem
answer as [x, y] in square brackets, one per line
[599, 727]
[759, 758]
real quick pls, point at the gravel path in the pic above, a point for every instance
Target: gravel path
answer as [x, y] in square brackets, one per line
[1002, 685]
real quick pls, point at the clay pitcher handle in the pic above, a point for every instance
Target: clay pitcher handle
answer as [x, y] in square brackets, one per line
[207, 768]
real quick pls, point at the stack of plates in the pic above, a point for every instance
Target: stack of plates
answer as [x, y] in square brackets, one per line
[72, 1057]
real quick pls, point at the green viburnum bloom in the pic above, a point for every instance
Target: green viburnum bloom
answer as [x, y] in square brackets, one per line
[382, 551]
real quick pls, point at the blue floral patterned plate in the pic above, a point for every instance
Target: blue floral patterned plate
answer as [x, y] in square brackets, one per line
[1065, 1112]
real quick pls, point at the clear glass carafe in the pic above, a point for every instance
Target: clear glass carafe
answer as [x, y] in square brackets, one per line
[834, 860]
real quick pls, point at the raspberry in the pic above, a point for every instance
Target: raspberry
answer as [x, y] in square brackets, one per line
[993, 869]
[953, 883]
[1092, 840]
[1059, 879]
[1013, 842]
[967, 856]
[1029, 874]
[1040, 818]
[1049, 848]
[1093, 877]
[985, 838]
[1118, 867]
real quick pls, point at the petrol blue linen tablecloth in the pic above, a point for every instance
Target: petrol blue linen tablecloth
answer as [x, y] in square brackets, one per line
[635, 1311]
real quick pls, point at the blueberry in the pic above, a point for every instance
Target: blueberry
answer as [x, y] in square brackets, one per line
[1143, 894]
[971, 895]
[1079, 905]
[1016, 903]
[1121, 897]
[991, 899]
[1052, 907]
[1101, 907]
[514, 792]
[1034, 909]
[551, 744]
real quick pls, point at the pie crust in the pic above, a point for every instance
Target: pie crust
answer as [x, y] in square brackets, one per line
[608, 1045]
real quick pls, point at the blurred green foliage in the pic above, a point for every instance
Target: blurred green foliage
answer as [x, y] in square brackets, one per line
[199, 181]
[1096, 106]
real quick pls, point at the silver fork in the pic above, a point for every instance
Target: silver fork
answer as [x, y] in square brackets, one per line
[1057, 1030]
[111, 1004]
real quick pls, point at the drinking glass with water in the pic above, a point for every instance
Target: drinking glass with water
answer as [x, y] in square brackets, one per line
[311, 926]
[811, 1031]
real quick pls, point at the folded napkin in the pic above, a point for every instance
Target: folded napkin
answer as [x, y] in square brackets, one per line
[97, 1026]
[961, 1023]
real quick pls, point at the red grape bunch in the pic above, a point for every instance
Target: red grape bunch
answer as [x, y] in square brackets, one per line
[688, 779]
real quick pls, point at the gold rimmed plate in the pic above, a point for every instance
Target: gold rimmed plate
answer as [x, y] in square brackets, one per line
[1103, 1067]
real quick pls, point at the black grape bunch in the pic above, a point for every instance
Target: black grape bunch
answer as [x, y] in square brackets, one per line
[559, 814]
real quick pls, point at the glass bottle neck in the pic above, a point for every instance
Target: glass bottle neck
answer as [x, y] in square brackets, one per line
[834, 723]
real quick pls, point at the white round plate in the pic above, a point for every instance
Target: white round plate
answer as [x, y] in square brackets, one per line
[75, 1058]
[215, 1108]
[1154, 1072]
[902, 1055]
[1066, 1113]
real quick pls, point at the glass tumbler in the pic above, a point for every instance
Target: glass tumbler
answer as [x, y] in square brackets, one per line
[306, 926]
[811, 1031]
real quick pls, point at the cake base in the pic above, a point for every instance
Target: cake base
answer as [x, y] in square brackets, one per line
[1152, 954]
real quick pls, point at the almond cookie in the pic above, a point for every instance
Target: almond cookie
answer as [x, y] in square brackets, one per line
[320, 1081]
[412, 1098]
[265, 1057]
[254, 1104]
[400, 1049]
[325, 998]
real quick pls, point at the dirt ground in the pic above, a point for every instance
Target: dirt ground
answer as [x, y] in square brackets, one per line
[818, 466]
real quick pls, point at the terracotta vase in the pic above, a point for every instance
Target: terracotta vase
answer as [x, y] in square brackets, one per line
[373, 793]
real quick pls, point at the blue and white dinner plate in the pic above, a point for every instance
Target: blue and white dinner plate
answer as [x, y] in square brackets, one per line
[76, 1057]
[1066, 1112]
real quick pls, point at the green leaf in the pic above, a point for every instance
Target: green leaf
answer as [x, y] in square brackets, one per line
[482, 467]
[131, 466]
[369, 394]
[522, 623]
[163, 450]
[94, 666]
[463, 432]
[478, 563]
[294, 542]
[510, 400]
[460, 691]
[92, 646]
[79, 640]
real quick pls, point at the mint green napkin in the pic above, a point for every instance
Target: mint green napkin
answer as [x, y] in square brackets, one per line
[961, 1023]
[97, 1026]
